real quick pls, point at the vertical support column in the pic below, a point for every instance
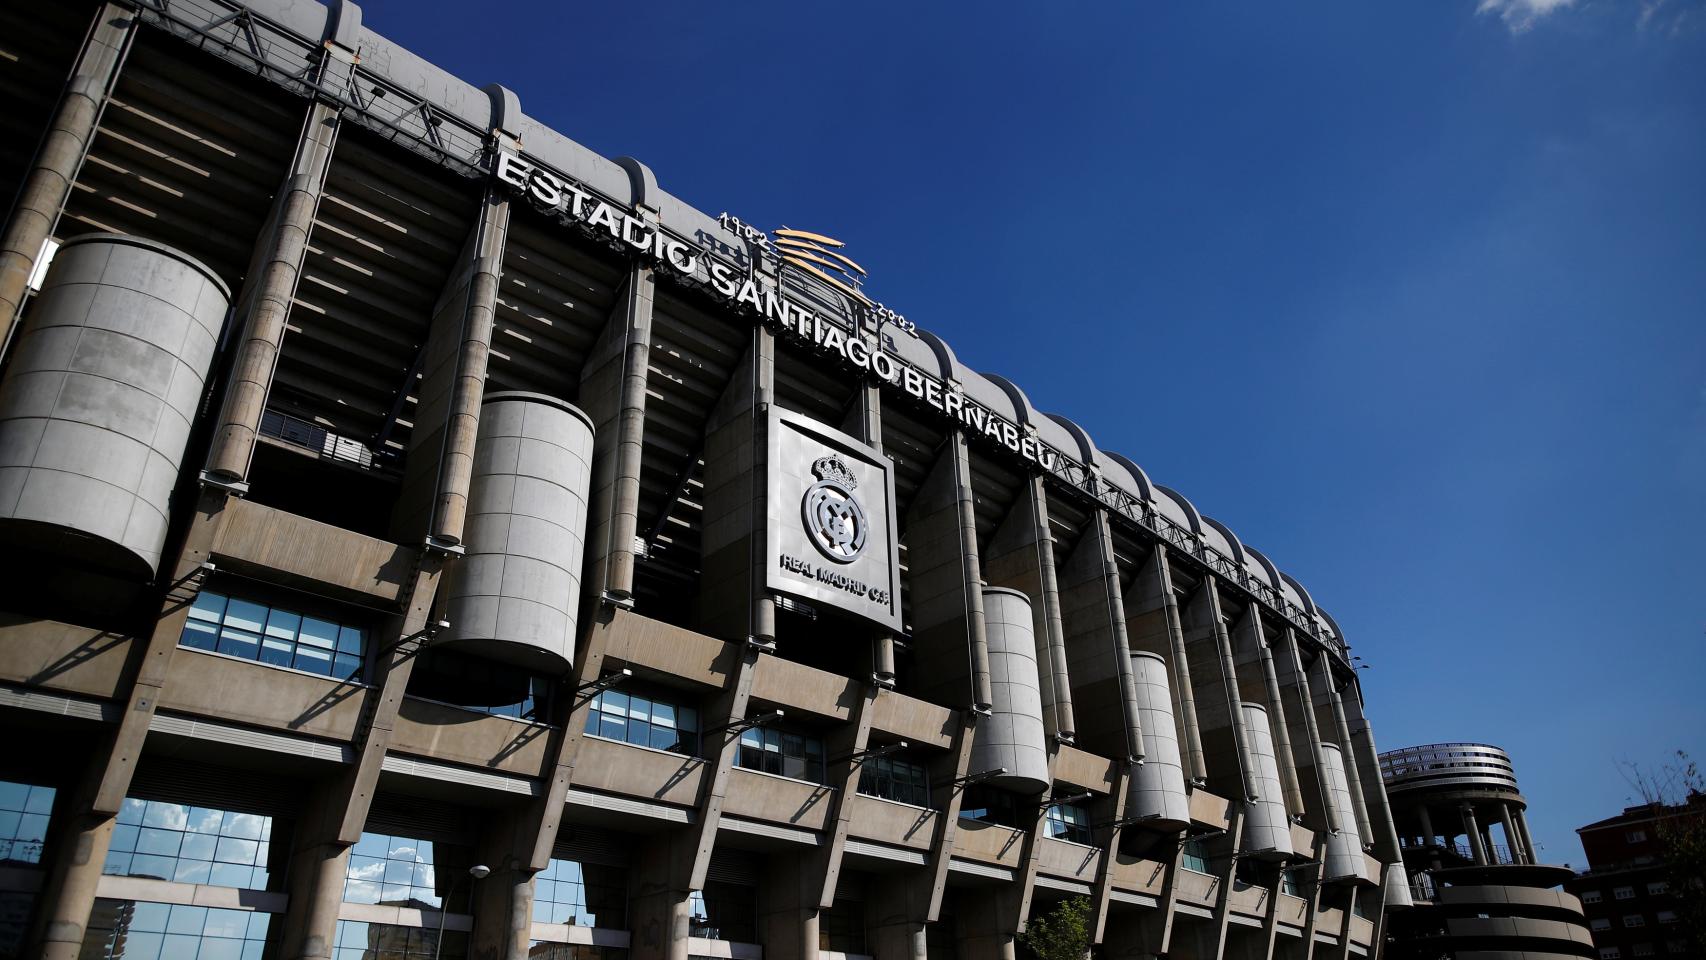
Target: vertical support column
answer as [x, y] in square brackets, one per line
[1219, 707]
[1324, 675]
[1021, 556]
[1153, 625]
[265, 306]
[48, 182]
[1512, 841]
[613, 393]
[1093, 612]
[1303, 709]
[949, 639]
[1282, 728]
[1522, 831]
[1102, 892]
[75, 869]
[865, 421]
[319, 861]
[1473, 829]
[1367, 758]
[824, 867]
[733, 603]
[453, 384]
[1223, 888]
[1428, 835]
[917, 899]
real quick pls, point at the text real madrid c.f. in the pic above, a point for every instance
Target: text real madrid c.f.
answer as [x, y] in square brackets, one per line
[558, 195]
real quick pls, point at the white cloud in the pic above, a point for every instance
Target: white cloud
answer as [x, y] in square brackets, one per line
[1521, 15]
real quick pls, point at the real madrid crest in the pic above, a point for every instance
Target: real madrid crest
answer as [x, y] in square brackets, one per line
[832, 515]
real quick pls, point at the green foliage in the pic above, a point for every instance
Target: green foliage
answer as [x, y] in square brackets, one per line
[1064, 934]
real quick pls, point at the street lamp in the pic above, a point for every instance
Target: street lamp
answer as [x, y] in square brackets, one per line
[478, 871]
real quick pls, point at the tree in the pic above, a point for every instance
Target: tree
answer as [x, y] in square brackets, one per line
[1063, 934]
[1677, 794]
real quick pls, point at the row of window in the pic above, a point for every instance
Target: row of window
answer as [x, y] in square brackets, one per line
[1643, 950]
[185, 844]
[283, 638]
[1657, 888]
[1632, 920]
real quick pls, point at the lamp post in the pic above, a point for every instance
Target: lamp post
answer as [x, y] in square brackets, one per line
[478, 871]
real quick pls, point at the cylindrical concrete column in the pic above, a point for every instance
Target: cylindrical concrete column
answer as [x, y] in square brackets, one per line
[1512, 841]
[1472, 828]
[1196, 766]
[1013, 735]
[96, 407]
[69, 893]
[1344, 847]
[1267, 829]
[1342, 730]
[1397, 884]
[1156, 794]
[48, 182]
[1522, 831]
[514, 596]
[317, 877]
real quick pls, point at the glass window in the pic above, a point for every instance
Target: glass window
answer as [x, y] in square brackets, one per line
[243, 628]
[532, 706]
[1624, 893]
[1600, 923]
[581, 894]
[1643, 950]
[783, 753]
[140, 930]
[1667, 916]
[547, 950]
[1590, 896]
[724, 911]
[24, 812]
[396, 871]
[1609, 953]
[895, 779]
[360, 940]
[1068, 821]
[185, 844]
[1658, 888]
[644, 721]
[1636, 836]
[1194, 857]
[1634, 920]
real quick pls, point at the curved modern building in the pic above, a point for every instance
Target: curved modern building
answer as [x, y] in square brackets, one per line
[1479, 892]
[440, 540]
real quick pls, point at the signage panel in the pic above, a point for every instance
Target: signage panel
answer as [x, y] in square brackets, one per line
[830, 536]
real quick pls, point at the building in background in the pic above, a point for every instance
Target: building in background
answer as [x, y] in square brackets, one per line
[1628, 891]
[1479, 892]
[439, 540]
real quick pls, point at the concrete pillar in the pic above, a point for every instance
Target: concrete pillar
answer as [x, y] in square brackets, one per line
[1281, 729]
[613, 393]
[47, 184]
[68, 893]
[1219, 707]
[1098, 651]
[439, 468]
[950, 639]
[1429, 838]
[1302, 708]
[503, 913]
[319, 861]
[733, 603]
[1153, 625]
[265, 306]
[1512, 841]
[1473, 830]
[787, 909]
[842, 748]
[660, 905]
[1522, 831]
[1376, 804]
[1342, 731]
[1021, 556]
[865, 421]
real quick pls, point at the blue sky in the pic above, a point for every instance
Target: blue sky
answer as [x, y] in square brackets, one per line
[1412, 296]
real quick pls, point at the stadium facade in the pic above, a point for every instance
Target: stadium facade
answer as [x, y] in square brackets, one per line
[430, 538]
